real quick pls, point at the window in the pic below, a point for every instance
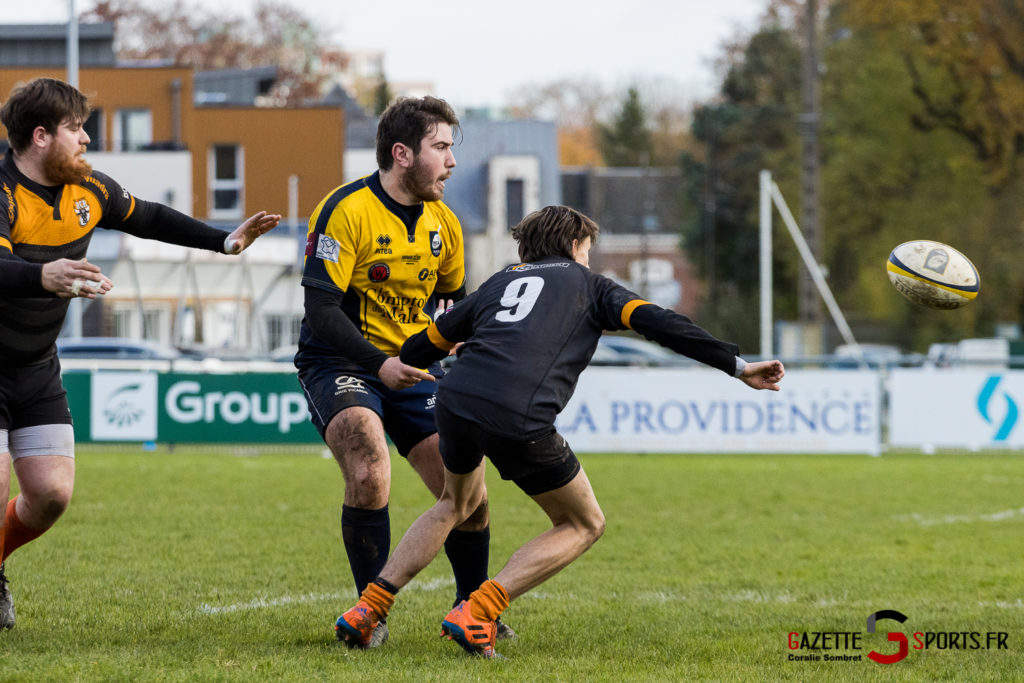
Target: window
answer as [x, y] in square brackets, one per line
[515, 190]
[94, 129]
[151, 322]
[133, 130]
[226, 181]
[282, 329]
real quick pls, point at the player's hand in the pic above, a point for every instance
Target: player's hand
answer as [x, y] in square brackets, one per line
[397, 375]
[246, 233]
[75, 278]
[443, 306]
[764, 374]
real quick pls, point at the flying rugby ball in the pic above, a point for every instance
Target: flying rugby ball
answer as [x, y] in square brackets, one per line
[933, 274]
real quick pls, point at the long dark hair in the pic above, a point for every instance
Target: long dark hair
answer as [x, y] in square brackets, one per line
[409, 120]
[551, 231]
[44, 102]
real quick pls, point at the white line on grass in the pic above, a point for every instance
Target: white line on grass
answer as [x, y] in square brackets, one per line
[264, 603]
[1004, 604]
[1002, 516]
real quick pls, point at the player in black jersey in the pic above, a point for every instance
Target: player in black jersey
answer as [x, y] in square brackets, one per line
[50, 202]
[528, 333]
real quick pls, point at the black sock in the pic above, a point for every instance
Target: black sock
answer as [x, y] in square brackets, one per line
[468, 553]
[367, 536]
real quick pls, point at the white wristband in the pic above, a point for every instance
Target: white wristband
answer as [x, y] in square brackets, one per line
[740, 365]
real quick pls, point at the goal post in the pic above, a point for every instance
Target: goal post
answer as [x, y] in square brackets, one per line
[771, 195]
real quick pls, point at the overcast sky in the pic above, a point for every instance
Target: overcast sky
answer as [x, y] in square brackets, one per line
[477, 53]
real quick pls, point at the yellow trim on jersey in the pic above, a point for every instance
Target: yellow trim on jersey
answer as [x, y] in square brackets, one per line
[437, 339]
[4, 242]
[627, 310]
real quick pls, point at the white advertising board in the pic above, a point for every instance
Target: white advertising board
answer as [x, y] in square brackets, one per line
[704, 411]
[953, 408]
[124, 406]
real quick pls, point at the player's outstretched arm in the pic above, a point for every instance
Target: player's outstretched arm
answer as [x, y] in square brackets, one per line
[764, 374]
[246, 233]
[69, 279]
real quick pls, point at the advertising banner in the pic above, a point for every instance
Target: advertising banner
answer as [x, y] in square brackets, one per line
[188, 408]
[954, 408]
[704, 411]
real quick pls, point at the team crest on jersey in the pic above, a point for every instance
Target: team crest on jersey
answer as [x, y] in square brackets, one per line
[327, 249]
[435, 243]
[379, 272]
[82, 211]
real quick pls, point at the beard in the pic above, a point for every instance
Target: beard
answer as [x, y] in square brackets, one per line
[63, 168]
[421, 183]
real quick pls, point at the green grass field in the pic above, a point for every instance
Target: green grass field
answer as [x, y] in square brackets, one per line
[227, 564]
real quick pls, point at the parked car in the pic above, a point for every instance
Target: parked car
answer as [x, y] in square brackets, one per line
[117, 348]
[614, 349]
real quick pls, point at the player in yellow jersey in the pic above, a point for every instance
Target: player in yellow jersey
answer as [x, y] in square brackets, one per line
[380, 253]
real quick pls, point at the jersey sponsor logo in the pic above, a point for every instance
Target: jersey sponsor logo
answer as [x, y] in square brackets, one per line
[384, 242]
[10, 204]
[401, 309]
[379, 272]
[427, 274]
[327, 249]
[82, 211]
[411, 258]
[435, 242]
[345, 384]
[536, 266]
[100, 186]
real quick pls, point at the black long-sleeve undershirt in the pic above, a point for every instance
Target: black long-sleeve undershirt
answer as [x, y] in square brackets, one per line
[154, 221]
[328, 322]
[21, 278]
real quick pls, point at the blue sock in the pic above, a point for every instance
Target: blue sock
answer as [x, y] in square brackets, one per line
[468, 553]
[367, 536]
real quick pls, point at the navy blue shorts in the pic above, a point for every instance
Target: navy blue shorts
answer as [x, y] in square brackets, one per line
[407, 414]
[33, 395]
[540, 463]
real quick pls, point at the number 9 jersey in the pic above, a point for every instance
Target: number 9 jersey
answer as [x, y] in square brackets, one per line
[529, 332]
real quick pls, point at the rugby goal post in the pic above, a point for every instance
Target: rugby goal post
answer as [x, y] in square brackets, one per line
[771, 195]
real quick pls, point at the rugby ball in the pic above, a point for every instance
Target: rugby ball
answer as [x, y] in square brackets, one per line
[933, 274]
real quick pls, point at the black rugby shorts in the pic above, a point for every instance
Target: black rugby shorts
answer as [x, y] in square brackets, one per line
[33, 395]
[538, 464]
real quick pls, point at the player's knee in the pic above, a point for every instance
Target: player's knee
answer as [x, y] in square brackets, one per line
[367, 490]
[51, 504]
[593, 527]
[476, 518]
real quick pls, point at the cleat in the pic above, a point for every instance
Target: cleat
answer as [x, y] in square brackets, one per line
[360, 628]
[475, 637]
[6, 602]
[504, 631]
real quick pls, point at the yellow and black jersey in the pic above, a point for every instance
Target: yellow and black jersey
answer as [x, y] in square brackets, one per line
[384, 259]
[530, 330]
[39, 224]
